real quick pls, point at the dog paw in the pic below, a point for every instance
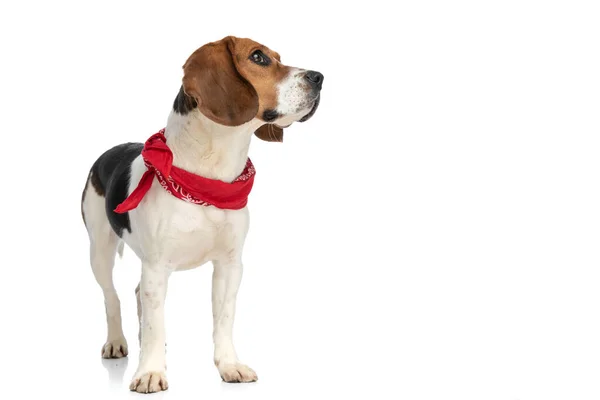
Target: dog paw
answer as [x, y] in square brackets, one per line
[149, 382]
[115, 348]
[237, 373]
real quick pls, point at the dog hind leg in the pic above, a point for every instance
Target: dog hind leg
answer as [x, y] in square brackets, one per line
[104, 243]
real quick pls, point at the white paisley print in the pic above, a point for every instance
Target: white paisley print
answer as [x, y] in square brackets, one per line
[176, 190]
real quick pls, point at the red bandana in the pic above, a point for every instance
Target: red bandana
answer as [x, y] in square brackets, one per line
[185, 185]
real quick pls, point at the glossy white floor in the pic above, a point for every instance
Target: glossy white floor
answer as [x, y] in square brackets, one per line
[423, 333]
[299, 337]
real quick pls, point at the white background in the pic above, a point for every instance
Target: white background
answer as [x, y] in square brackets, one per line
[432, 233]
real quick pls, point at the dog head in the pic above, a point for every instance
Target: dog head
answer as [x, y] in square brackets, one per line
[235, 80]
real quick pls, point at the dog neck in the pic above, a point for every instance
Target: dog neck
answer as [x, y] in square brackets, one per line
[208, 149]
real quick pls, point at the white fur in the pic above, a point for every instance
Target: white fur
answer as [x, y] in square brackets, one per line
[169, 235]
[292, 100]
[103, 246]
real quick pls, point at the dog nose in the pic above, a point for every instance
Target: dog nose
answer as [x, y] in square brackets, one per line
[315, 78]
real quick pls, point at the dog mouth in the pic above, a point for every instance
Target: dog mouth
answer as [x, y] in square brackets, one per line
[312, 110]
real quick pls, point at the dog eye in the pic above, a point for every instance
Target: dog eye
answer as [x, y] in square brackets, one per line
[260, 58]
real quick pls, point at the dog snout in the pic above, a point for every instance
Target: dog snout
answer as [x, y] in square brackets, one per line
[315, 79]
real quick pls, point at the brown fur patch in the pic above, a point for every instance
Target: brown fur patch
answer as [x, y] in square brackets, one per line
[230, 88]
[83, 197]
[98, 188]
[97, 184]
[264, 79]
[270, 133]
[212, 79]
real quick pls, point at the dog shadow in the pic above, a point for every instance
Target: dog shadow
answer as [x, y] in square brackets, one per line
[118, 382]
[115, 367]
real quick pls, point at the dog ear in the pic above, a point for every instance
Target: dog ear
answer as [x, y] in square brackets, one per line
[210, 76]
[270, 133]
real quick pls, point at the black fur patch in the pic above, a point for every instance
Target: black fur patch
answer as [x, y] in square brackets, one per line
[183, 103]
[110, 177]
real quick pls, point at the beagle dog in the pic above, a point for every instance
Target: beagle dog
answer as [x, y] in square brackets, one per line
[231, 89]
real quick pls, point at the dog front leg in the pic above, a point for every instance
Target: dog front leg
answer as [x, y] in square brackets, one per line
[225, 283]
[151, 373]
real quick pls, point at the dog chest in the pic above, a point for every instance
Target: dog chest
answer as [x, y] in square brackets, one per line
[184, 235]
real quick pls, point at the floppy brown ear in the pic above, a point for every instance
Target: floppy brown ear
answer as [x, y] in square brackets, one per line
[270, 133]
[211, 77]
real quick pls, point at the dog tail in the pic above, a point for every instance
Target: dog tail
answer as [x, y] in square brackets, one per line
[120, 248]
